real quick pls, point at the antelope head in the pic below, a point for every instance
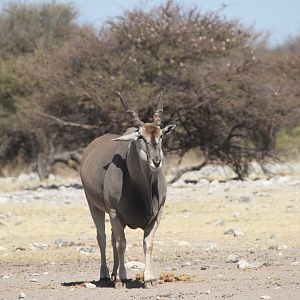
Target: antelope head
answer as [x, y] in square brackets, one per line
[148, 136]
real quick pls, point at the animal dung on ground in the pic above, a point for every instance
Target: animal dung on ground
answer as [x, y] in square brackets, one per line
[139, 277]
[167, 277]
[183, 277]
[171, 277]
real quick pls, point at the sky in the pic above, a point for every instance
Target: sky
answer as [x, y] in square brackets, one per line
[281, 18]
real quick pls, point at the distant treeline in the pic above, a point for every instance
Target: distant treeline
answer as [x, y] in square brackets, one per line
[229, 94]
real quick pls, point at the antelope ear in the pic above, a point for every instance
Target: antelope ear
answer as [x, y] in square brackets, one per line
[133, 136]
[168, 129]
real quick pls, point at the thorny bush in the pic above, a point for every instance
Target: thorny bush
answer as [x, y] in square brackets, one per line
[227, 92]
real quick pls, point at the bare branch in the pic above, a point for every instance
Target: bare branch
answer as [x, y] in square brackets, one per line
[189, 169]
[64, 123]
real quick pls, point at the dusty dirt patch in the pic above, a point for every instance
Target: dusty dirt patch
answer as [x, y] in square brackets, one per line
[190, 244]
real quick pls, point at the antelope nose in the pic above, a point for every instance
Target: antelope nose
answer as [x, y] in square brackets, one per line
[156, 163]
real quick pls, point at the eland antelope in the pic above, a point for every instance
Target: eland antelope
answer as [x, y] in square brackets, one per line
[122, 176]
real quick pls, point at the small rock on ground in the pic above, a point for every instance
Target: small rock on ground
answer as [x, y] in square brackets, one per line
[256, 264]
[89, 285]
[135, 265]
[4, 199]
[22, 295]
[232, 258]
[282, 247]
[235, 232]
[245, 199]
[63, 243]
[183, 243]
[39, 246]
[210, 246]
[86, 250]
[218, 222]
[20, 248]
[243, 264]
[278, 247]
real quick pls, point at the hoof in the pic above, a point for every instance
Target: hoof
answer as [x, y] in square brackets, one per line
[152, 283]
[113, 277]
[120, 284]
[105, 282]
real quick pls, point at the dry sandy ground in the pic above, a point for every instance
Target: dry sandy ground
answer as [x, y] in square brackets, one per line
[190, 241]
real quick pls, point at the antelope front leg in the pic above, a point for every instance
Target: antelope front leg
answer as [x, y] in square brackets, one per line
[149, 232]
[99, 220]
[116, 257]
[120, 242]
